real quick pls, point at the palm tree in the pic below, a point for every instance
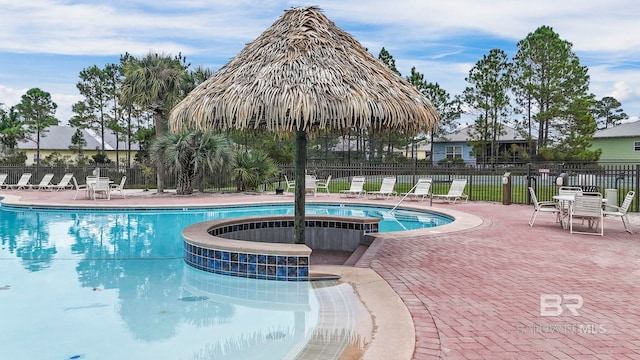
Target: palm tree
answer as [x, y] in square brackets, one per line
[155, 82]
[189, 154]
[253, 169]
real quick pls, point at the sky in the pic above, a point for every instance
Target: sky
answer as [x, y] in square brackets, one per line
[46, 43]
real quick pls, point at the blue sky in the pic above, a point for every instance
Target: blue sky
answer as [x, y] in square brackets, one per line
[46, 43]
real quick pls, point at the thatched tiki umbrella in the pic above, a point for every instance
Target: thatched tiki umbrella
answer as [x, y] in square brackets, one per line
[303, 74]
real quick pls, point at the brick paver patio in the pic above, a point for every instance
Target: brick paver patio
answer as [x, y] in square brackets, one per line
[476, 293]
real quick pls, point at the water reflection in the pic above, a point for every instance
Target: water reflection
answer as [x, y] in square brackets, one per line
[129, 266]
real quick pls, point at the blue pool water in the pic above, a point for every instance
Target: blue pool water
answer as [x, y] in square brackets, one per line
[112, 284]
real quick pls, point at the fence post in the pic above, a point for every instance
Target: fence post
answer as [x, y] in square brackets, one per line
[637, 180]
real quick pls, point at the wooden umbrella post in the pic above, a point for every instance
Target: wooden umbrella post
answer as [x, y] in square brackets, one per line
[301, 162]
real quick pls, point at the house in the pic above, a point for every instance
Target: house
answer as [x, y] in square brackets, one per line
[457, 145]
[418, 151]
[58, 139]
[619, 143]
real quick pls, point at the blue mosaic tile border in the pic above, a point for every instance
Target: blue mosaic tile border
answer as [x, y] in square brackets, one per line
[255, 266]
[262, 266]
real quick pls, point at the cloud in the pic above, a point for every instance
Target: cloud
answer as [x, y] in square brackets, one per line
[65, 103]
[9, 96]
[442, 39]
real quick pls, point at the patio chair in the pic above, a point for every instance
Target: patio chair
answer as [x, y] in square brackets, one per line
[3, 178]
[621, 211]
[310, 184]
[421, 190]
[22, 183]
[542, 207]
[291, 184]
[323, 184]
[119, 187]
[587, 208]
[456, 192]
[101, 186]
[64, 183]
[564, 205]
[45, 183]
[356, 189]
[80, 187]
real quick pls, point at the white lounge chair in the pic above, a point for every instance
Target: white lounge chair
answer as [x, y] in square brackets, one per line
[356, 189]
[386, 189]
[64, 183]
[456, 192]
[23, 182]
[621, 211]
[542, 207]
[323, 184]
[3, 178]
[119, 187]
[587, 208]
[421, 190]
[45, 183]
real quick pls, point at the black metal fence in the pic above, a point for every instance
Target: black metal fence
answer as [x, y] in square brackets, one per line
[484, 183]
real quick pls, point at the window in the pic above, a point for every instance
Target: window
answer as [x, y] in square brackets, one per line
[636, 146]
[453, 152]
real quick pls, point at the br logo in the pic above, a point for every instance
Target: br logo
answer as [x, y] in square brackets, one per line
[555, 304]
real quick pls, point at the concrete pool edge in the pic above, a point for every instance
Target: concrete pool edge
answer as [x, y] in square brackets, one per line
[394, 334]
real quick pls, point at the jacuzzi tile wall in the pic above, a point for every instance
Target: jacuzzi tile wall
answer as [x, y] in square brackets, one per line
[256, 266]
[262, 266]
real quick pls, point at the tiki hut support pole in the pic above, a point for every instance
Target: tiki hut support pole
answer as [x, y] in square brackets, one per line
[301, 162]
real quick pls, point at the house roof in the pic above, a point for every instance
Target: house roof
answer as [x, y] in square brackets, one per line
[631, 129]
[59, 138]
[462, 135]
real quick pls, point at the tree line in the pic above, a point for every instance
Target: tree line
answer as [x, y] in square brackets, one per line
[543, 92]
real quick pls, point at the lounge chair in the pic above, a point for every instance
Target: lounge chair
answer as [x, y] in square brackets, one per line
[3, 178]
[621, 211]
[119, 187]
[420, 191]
[23, 182]
[64, 183]
[386, 189]
[323, 184]
[45, 183]
[356, 189]
[456, 192]
[587, 208]
[542, 207]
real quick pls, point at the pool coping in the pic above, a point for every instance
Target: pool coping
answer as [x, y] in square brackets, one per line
[394, 329]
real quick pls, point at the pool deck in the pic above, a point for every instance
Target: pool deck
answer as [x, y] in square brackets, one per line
[473, 291]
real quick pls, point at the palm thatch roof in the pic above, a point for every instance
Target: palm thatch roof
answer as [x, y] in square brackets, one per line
[304, 73]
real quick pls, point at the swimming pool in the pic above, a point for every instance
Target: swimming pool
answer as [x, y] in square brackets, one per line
[112, 284]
